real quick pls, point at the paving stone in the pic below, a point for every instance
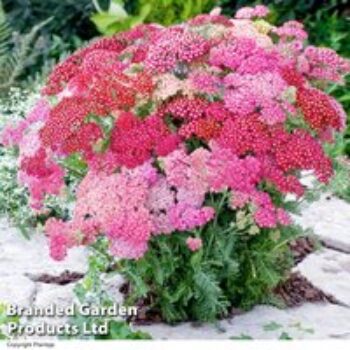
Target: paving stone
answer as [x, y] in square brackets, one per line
[48, 294]
[309, 321]
[330, 221]
[111, 285]
[16, 289]
[53, 294]
[328, 270]
[32, 256]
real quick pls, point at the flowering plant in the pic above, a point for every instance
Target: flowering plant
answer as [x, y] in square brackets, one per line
[183, 136]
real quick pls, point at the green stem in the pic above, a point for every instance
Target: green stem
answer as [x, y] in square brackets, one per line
[214, 230]
[221, 204]
[282, 244]
[253, 269]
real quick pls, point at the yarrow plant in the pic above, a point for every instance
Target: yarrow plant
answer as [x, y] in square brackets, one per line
[186, 141]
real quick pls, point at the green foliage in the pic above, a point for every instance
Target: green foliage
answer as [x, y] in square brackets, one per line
[272, 326]
[285, 336]
[70, 17]
[16, 51]
[119, 330]
[122, 15]
[46, 32]
[242, 336]
[280, 331]
[238, 265]
[14, 198]
[340, 184]
[91, 291]
[4, 320]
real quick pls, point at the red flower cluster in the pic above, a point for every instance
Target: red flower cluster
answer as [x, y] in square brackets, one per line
[186, 108]
[71, 67]
[246, 135]
[318, 110]
[204, 128]
[300, 150]
[133, 141]
[66, 130]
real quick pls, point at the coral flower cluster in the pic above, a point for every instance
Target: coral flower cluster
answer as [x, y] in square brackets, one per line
[163, 118]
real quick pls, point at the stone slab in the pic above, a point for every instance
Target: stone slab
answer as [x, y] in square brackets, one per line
[329, 220]
[17, 289]
[31, 257]
[309, 321]
[328, 270]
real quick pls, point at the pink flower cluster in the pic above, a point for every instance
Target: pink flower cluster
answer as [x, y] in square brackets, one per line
[131, 206]
[164, 117]
[251, 12]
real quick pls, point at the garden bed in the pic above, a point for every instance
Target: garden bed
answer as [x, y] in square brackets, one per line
[313, 309]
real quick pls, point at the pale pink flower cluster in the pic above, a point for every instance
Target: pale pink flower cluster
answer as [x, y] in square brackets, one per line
[291, 30]
[12, 135]
[264, 91]
[194, 244]
[172, 46]
[131, 206]
[205, 82]
[324, 64]
[251, 12]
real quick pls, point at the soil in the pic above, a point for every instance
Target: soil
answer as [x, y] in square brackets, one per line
[146, 315]
[298, 290]
[64, 278]
[302, 247]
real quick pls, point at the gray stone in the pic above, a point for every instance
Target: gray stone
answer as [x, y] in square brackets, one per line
[53, 294]
[329, 271]
[309, 321]
[17, 289]
[330, 221]
[48, 294]
[111, 285]
[31, 257]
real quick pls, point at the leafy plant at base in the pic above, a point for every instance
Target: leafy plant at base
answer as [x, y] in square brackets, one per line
[233, 269]
[91, 291]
